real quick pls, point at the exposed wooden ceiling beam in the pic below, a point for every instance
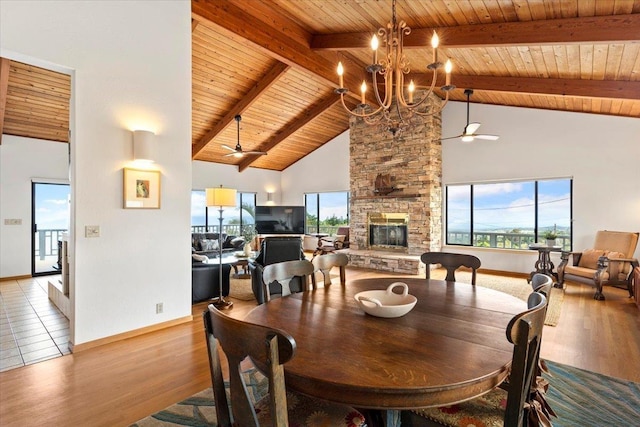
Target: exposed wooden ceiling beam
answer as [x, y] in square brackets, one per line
[283, 46]
[592, 29]
[4, 85]
[194, 24]
[272, 76]
[327, 102]
[565, 87]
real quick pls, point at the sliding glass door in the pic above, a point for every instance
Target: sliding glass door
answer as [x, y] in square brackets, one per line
[50, 218]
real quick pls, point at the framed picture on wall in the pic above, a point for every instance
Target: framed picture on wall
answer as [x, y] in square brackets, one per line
[141, 189]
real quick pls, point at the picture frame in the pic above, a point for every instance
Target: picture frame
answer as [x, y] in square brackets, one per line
[141, 189]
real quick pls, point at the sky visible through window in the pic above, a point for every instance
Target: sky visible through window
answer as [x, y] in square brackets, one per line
[509, 206]
[52, 206]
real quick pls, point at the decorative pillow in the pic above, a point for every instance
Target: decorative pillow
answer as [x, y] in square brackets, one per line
[589, 258]
[617, 270]
[208, 245]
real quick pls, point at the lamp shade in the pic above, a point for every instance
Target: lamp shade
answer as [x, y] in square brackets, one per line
[143, 146]
[222, 197]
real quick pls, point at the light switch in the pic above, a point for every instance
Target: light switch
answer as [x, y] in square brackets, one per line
[92, 231]
[12, 221]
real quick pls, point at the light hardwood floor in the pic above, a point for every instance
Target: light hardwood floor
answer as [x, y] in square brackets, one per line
[120, 383]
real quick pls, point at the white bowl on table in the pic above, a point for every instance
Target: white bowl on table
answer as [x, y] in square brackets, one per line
[386, 303]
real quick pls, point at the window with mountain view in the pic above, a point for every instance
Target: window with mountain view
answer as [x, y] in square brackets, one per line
[509, 215]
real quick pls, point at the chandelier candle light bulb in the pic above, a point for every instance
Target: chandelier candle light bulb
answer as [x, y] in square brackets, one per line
[363, 90]
[374, 46]
[435, 41]
[412, 88]
[447, 69]
[340, 73]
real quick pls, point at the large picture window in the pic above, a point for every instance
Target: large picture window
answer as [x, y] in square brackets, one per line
[509, 215]
[325, 212]
[204, 219]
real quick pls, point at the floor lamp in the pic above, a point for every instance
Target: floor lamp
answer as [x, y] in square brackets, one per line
[221, 198]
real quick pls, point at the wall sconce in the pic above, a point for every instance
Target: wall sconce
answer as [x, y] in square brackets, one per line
[143, 146]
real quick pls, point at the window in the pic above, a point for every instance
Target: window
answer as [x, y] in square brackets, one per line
[205, 219]
[509, 215]
[326, 211]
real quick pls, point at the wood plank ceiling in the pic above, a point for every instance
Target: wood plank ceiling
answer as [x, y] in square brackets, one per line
[273, 62]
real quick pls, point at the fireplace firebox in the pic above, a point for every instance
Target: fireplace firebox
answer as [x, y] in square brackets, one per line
[388, 231]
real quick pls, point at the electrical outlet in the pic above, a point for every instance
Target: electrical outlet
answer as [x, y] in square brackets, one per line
[92, 231]
[159, 308]
[12, 221]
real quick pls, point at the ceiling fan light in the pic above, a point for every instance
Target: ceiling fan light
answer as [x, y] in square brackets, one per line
[467, 138]
[238, 155]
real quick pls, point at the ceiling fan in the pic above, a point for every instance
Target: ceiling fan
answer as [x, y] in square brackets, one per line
[237, 152]
[469, 133]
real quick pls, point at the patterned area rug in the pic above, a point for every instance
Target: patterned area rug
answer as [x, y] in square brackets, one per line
[579, 398]
[584, 398]
[518, 287]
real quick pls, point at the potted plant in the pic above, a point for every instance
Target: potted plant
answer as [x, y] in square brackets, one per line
[248, 234]
[551, 236]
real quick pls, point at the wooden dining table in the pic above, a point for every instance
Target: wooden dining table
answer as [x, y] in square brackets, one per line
[450, 348]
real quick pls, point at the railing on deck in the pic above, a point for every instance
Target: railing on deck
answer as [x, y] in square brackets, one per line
[228, 229]
[502, 240]
[47, 242]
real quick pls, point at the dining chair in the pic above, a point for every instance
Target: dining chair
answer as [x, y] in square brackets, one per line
[452, 262]
[282, 273]
[324, 264]
[270, 349]
[524, 331]
[542, 283]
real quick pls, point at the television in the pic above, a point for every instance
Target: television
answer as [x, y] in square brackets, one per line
[280, 219]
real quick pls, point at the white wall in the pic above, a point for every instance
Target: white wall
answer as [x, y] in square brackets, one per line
[326, 169]
[132, 69]
[21, 161]
[207, 175]
[601, 154]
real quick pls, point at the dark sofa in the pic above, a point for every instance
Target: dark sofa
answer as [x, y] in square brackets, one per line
[230, 243]
[272, 250]
[205, 280]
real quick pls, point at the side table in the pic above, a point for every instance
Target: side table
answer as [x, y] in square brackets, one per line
[544, 264]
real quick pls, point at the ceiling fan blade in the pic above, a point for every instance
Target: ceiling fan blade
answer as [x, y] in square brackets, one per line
[451, 137]
[228, 148]
[261, 153]
[230, 154]
[471, 128]
[488, 137]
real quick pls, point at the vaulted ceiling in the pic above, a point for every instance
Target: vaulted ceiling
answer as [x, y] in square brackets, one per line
[273, 62]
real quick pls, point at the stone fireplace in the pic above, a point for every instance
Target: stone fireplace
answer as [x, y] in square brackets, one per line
[410, 165]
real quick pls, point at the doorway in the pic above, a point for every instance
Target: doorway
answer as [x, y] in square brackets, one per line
[50, 215]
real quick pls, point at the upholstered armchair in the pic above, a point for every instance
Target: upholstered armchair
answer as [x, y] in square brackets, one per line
[609, 262]
[272, 250]
[330, 244]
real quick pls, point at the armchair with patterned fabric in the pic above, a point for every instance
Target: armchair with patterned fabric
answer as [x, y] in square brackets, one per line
[609, 262]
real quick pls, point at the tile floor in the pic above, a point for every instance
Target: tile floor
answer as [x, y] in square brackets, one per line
[32, 329]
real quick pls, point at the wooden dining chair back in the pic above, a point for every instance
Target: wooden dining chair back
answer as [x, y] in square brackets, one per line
[524, 331]
[542, 283]
[282, 273]
[324, 264]
[270, 349]
[451, 262]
